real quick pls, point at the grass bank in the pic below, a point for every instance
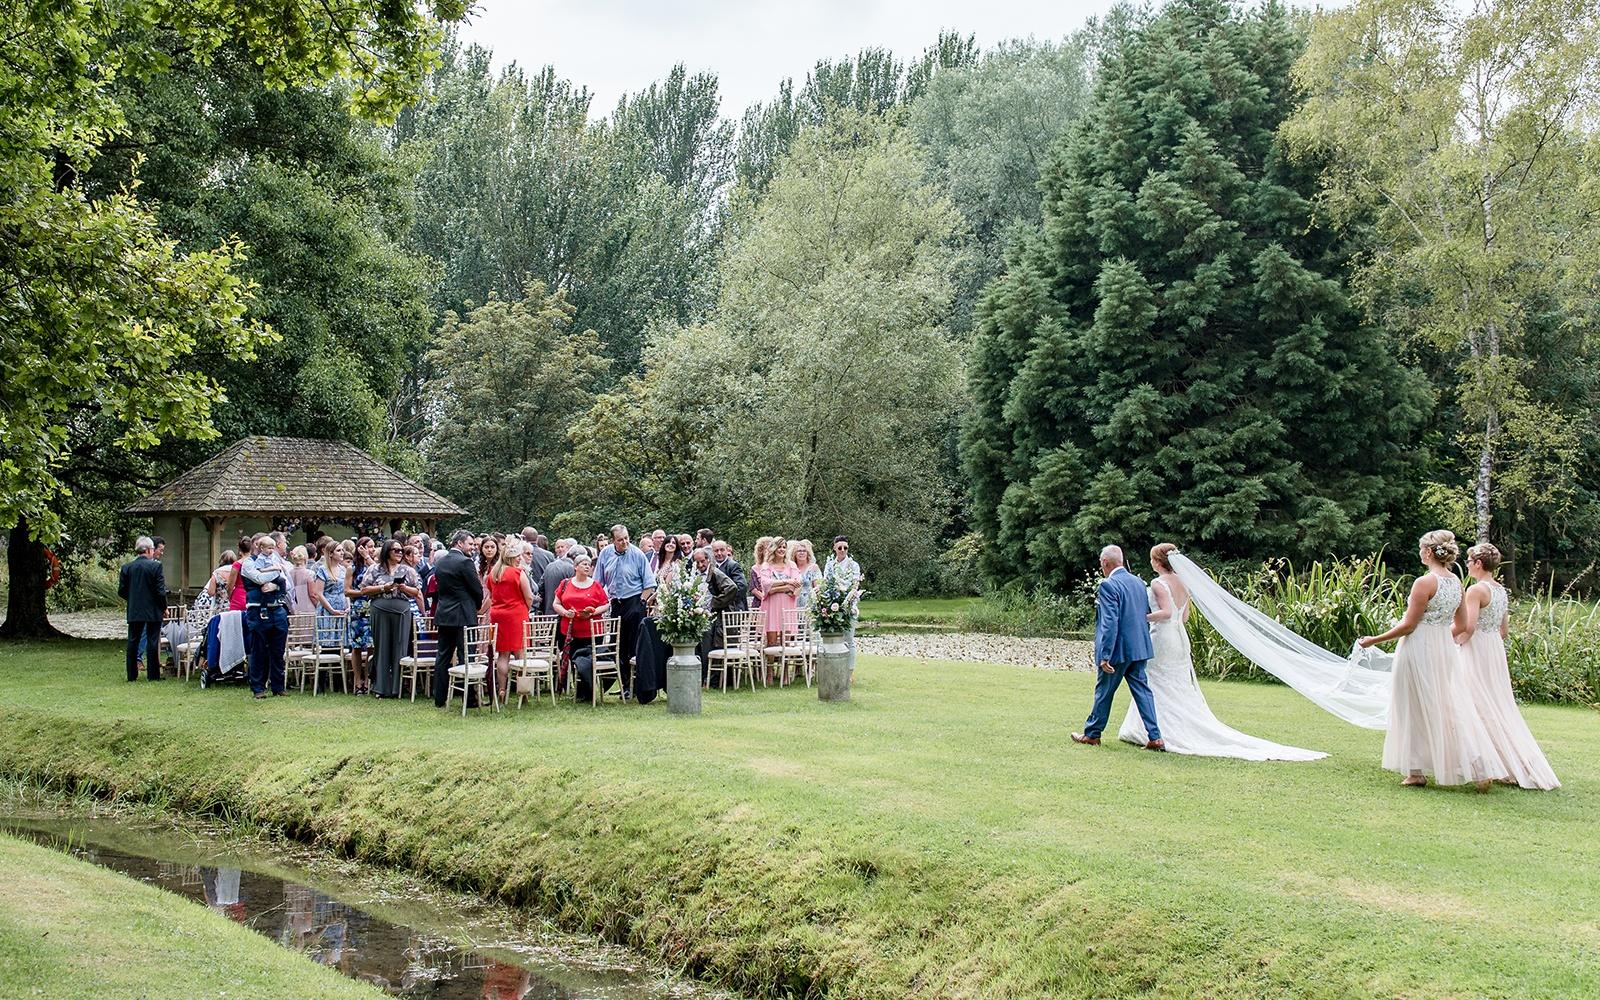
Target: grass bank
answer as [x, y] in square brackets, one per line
[70, 930]
[938, 836]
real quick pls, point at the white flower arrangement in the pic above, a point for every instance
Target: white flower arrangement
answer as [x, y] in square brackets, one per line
[835, 597]
[685, 612]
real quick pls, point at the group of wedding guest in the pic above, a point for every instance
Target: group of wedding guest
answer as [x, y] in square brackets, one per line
[366, 591]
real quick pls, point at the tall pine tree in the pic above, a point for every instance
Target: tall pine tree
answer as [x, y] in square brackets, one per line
[1173, 352]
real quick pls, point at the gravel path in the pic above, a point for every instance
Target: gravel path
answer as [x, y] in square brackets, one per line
[970, 647]
[101, 623]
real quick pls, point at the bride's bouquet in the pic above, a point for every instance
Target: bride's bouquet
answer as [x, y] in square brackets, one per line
[835, 598]
[685, 614]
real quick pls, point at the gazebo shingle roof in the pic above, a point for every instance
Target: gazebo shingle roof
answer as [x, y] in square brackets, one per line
[297, 477]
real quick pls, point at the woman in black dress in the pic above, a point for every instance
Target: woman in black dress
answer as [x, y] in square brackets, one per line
[395, 585]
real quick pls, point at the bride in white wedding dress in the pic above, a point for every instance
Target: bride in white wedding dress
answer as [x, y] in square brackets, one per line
[1187, 723]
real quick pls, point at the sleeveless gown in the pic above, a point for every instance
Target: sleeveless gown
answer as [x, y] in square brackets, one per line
[1187, 723]
[1489, 680]
[1434, 727]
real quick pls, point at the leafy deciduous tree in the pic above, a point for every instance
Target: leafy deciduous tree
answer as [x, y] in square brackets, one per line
[511, 379]
[1466, 130]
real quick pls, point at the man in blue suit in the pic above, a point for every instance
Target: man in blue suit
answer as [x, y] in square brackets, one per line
[1121, 648]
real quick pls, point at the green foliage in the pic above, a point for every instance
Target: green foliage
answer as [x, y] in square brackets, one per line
[516, 185]
[111, 315]
[644, 451]
[816, 397]
[1465, 134]
[988, 128]
[1173, 349]
[510, 380]
[872, 83]
[322, 205]
[1550, 648]
[1017, 610]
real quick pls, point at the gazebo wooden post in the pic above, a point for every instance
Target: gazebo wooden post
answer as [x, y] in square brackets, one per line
[215, 525]
[183, 570]
[430, 525]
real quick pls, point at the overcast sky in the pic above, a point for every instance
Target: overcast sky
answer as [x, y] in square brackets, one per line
[619, 46]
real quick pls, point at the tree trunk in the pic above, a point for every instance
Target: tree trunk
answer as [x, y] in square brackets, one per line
[1485, 475]
[26, 617]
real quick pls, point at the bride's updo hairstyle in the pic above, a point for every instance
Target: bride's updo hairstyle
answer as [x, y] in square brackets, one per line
[1442, 544]
[1485, 555]
[1159, 554]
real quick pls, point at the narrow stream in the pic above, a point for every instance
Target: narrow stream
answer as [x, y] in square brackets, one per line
[376, 925]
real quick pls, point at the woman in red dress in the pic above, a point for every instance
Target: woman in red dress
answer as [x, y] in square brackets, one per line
[510, 594]
[579, 601]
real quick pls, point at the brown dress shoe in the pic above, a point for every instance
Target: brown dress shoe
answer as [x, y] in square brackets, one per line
[1159, 746]
[1088, 741]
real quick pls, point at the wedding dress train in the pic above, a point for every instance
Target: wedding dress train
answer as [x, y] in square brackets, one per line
[1187, 723]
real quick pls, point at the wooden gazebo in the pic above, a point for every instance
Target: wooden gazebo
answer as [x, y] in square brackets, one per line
[259, 483]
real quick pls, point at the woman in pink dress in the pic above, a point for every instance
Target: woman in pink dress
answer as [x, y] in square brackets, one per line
[778, 583]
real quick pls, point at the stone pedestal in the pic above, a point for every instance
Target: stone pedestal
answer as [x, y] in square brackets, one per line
[683, 681]
[833, 669]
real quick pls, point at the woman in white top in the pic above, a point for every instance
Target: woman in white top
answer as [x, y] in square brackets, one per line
[1480, 629]
[1433, 727]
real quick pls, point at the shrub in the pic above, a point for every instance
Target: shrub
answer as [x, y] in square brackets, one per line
[1553, 649]
[1038, 612]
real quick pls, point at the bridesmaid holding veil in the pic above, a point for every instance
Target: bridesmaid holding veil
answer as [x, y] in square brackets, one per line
[1434, 727]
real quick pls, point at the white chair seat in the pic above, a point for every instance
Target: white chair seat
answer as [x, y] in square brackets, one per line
[535, 662]
[471, 671]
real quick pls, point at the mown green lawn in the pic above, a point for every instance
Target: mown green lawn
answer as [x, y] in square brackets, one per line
[937, 836]
[918, 611]
[70, 930]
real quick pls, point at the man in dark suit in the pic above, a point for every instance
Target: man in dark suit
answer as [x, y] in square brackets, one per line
[722, 552]
[723, 594]
[559, 568]
[144, 586]
[459, 595]
[539, 560]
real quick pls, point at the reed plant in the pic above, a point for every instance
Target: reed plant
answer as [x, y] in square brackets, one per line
[1553, 649]
[1331, 603]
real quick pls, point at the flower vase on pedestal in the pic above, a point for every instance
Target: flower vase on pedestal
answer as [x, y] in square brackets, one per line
[833, 668]
[683, 681]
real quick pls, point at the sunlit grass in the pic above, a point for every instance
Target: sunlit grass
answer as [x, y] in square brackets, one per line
[936, 836]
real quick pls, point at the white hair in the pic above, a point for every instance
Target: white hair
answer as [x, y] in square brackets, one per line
[1112, 555]
[143, 544]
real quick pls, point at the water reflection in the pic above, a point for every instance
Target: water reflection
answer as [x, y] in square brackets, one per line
[409, 961]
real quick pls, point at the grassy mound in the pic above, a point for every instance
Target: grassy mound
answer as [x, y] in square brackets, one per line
[70, 930]
[938, 836]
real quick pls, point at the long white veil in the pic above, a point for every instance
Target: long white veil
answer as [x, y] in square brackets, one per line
[1355, 689]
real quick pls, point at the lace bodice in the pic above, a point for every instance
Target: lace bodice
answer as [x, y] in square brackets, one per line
[1494, 612]
[1442, 605]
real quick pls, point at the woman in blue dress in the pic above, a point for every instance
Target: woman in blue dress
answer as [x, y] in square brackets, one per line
[363, 553]
[327, 591]
[805, 560]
